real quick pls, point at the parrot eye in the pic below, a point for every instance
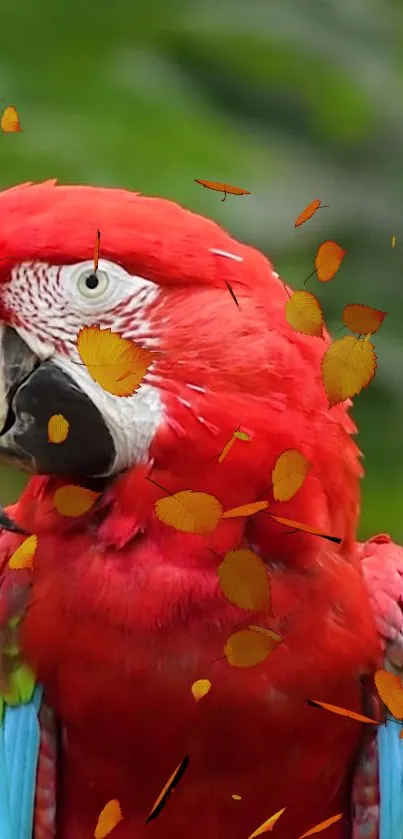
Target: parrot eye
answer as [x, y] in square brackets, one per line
[91, 284]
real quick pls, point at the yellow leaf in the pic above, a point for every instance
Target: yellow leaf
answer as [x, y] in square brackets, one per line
[58, 429]
[111, 816]
[71, 500]
[362, 319]
[390, 690]
[200, 688]
[10, 121]
[249, 647]
[190, 512]
[328, 259]
[303, 312]
[322, 826]
[117, 364]
[24, 555]
[267, 825]
[289, 473]
[305, 528]
[245, 510]
[393, 241]
[244, 580]
[241, 435]
[348, 366]
[236, 797]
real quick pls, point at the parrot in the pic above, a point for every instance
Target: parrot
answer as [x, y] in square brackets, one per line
[120, 613]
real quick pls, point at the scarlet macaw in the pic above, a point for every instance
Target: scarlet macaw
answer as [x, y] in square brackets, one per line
[121, 613]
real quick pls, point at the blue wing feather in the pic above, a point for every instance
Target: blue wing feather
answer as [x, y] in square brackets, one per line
[390, 756]
[19, 752]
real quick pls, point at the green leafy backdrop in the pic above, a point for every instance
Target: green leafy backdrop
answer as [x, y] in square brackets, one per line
[291, 99]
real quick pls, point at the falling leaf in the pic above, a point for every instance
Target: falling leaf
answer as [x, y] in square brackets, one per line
[303, 312]
[96, 252]
[244, 580]
[23, 556]
[190, 512]
[341, 711]
[305, 528]
[240, 435]
[168, 789]
[249, 647]
[225, 188]
[362, 319]
[245, 510]
[309, 211]
[117, 364]
[267, 825]
[289, 473]
[237, 435]
[71, 500]
[393, 241]
[390, 690]
[232, 293]
[236, 797]
[348, 366]
[10, 121]
[328, 259]
[58, 429]
[200, 688]
[322, 826]
[111, 816]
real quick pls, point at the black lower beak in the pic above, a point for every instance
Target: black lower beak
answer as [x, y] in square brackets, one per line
[30, 394]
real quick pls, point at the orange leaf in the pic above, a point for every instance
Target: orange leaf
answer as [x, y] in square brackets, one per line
[71, 500]
[58, 429]
[219, 187]
[236, 797]
[23, 556]
[348, 366]
[226, 449]
[390, 690]
[267, 825]
[200, 688]
[190, 512]
[322, 826]
[110, 816]
[328, 259]
[168, 789]
[245, 510]
[244, 580]
[305, 528]
[117, 364]
[10, 121]
[342, 712]
[303, 312]
[362, 319]
[289, 473]
[309, 211]
[249, 647]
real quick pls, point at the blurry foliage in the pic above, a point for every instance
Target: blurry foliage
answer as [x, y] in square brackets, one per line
[291, 99]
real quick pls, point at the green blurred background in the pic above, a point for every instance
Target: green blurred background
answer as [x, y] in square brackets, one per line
[290, 99]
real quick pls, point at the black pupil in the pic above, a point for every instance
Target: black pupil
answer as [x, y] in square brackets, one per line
[92, 281]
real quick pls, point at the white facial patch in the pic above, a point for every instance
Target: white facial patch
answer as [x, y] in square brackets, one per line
[53, 303]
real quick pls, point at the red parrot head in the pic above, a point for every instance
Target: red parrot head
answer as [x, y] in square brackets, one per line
[163, 280]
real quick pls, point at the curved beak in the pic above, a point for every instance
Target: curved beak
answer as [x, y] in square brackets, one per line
[31, 392]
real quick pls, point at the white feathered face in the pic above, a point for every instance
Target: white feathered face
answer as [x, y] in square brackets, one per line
[42, 373]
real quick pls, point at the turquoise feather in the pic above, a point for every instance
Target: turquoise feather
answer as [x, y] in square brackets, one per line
[390, 762]
[19, 753]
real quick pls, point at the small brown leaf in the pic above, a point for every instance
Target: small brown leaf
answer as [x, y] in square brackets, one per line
[390, 689]
[190, 512]
[328, 259]
[322, 826]
[267, 825]
[244, 580]
[289, 473]
[249, 647]
[362, 319]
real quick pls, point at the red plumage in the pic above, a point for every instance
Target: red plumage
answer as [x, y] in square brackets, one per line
[125, 612]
